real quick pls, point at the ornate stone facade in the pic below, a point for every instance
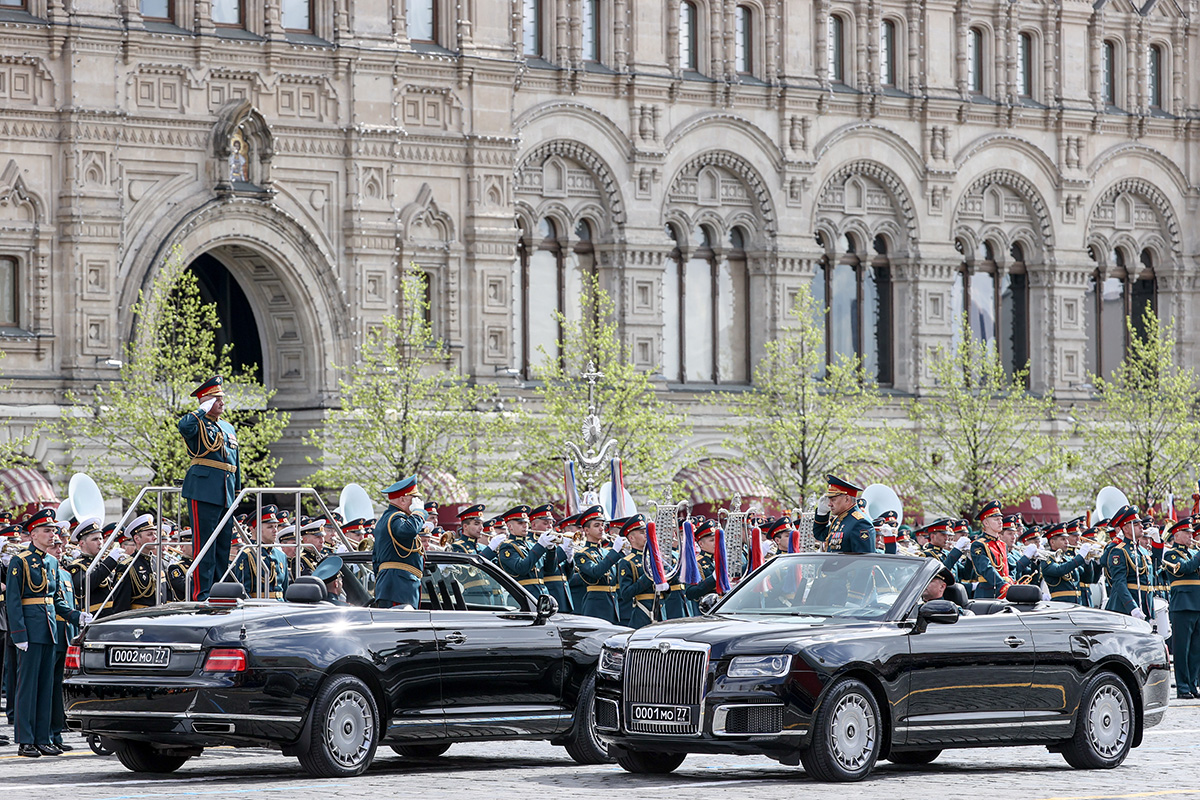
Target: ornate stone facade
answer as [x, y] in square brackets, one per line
[1049, 146]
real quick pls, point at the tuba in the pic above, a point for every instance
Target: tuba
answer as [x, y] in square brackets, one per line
[83, 500]
[356, 503]
[880, 499]
[1108, 501]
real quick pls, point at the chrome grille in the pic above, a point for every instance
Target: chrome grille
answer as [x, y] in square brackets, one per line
[754, 719]
[606, 714]
[674, 676]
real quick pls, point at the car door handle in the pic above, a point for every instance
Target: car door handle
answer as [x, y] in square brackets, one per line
[455, 638]
[1013, 641]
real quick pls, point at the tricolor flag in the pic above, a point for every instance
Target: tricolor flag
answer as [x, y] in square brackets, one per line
[721, 557]
[653, 558]
[689, 567]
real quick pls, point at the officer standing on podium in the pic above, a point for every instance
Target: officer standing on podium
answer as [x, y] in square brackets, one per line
[213, 481]
[397, 556]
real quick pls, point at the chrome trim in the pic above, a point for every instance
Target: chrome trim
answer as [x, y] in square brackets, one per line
[182, 646]
[721, 713]
[185, 715]
[987, 725]
[650, 680]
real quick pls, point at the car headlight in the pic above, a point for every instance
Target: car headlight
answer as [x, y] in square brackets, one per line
[611, 662]
[759, 666]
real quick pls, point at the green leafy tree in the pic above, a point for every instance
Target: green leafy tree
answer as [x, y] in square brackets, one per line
[802, 418]
[403, 412]
[975, 435]
[1144, 434]
[648, 431]
[125, 433]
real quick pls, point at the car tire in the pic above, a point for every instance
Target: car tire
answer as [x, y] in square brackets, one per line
[97, 745]
[846, 734]
[343, 731]
[649, 763]
[420, 750]
[143, 757]
[1104, 725]
[914, 757]
[583, 745]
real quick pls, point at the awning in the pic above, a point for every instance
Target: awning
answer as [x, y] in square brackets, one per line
[24, 486]
[1039, 509]
[718, 480]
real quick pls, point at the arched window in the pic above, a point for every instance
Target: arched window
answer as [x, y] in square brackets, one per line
[856, 287]
[1025, 65]
[887, 53]
[590, 30]
[1115, 295]
[9, 317]
[1143, 294]
[699, 317]
[531, 28]
[1013, 324]
[581, 266]
[689, 43]
[1108, 72]
[733, 312]
[1154, 68]
[421, 19]
[541, 295]
[836, 48]
[976, 58]
[996, 301]
[744, 41]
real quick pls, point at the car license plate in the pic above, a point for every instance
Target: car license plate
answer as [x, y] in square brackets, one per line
[663, 714]
[139, 657]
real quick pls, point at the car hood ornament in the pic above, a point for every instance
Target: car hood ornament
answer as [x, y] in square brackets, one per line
[137, 633]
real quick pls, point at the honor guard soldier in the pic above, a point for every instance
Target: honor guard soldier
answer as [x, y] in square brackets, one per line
[636, 592]
[267, 560]
[32, 601]
[706, 542]
[989, 554]
[1181, 568]
[521, 557]
[1126, 570]
[557, 566]
[840, 524]
[595, 565]
[397, 556]
[1061, 573]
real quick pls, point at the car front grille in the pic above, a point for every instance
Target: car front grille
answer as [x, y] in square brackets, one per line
[754, 719]
[606, 715]
[665, 677]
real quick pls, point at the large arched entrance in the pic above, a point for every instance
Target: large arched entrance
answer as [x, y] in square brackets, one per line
[239, 328]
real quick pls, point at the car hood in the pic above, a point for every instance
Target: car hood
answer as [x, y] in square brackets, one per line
[732, 635]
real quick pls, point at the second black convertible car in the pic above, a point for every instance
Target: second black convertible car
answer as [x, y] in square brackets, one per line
[835, 661]
[479, 660]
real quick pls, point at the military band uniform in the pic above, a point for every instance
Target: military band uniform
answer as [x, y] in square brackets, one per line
[33, 601]
[522, 558]
[1061, 574]
[557, 569]
[478, 589]
[101, 580]
[177, 579]
[595, 567]
[139, 587]
[1181, 568]
[398, 558]
[636, 599]
[67, 631]
[274, 564]
[674, 602]
[1126, 574]
[989, 557]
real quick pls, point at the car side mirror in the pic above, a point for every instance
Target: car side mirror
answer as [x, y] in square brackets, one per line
[546, 608]
[943, 612]
[708, 603]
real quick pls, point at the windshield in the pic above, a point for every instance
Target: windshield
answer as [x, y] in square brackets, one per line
[854, 586]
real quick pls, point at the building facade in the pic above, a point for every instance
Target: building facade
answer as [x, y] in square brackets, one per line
[1030, 164]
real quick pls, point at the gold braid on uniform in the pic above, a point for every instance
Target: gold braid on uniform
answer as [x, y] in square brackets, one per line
[29, 578]
[142, 589]
[403, 551]
[208, 445]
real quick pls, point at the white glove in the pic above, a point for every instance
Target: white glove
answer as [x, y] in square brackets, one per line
[22, 646]
[766, 548]
[661, 587]
[1045, 594]
[1137, 613]
[207, 405]
[618, 544]
[546, 540]
[4, 559]
[1155, 535]
[962, 544]
[1084, 549]
[85, 618]
[823, 506]
[568, 547]
[1030, 550]
[495, 542]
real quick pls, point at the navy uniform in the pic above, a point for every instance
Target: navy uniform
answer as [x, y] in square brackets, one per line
[595, 567]
[397, 553]
[1126, 571]
[637, 599]
[523, 558]
[989, 557]
[212, 483]
[557, 565]
[33, 600]
[1062, 572]
[1181, 569]
[849, 532]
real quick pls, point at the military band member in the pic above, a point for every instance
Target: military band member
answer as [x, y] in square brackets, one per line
[1181, 568]
[1061, 573]
[477, 587]
[213, 480]
[470, 528]
[32, 600]
[522, 556]
[1023, 551]
[1126, 571]
[397, 556]
[706, 543]
[989, 555]
[177, 569]
[937, 535]
[90, 537]
[267, 561]
[595, 566]
[637, 595]
[312, 545]
[778, 533]
[138, 588]
[840, 524]
[558, 564]
[355, 532]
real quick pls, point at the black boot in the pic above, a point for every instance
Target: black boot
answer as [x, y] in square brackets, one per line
[29, 751]
[48, 750]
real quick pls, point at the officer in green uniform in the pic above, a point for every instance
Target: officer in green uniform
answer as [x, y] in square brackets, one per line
[989, 554]
[1062, 571]
[937, 537]
[558, 564]
[595, 566]
[477, 587]
[268, 559]
[32, 600]
[1126, 571]
[705, 533]
[1181, 568]
[397, 556]
[637, 595]
[840, 524]
[521, 556]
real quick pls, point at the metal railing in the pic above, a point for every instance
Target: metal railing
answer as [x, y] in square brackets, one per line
[158, 492]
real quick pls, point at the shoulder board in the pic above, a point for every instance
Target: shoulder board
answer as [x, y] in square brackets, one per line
[125, 559]
[857, 514]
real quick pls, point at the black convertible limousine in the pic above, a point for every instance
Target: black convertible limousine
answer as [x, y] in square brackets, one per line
[834, 661]
[481, 659]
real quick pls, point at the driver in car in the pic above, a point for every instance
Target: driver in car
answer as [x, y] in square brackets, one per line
[936, 590]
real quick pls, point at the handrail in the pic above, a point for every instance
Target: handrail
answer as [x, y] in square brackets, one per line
[104, 547]
[157, 567]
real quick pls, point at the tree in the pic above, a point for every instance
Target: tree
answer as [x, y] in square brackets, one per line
[975, 435]
[648, 431]
[15, 445]
[126, 432]
[801, 420]
[402, 412]
[1144, 435]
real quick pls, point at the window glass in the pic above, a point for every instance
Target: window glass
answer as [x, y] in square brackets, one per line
[420, 20]
[743, 52]
[1154, 76]
[843, 313]
[591, 21]
[227, 12]
[887, 53]
[1112, 325]
[820, 306]
[465, 587]
[698, 288]
[983, 306]
[580, 263]
[671, 299]
[151, 9]
[1108, 73]
[543, 286]
[518, 298]
[1025, 65]
[8, 292]
[12, 3]
[975, 60]
[688, 58]
[1014, 307]
[733, 358]
[1091, 325]
[531, 27]
[836, 49]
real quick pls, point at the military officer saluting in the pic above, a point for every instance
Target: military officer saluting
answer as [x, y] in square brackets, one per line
[521, 557]
[595, 565]
[989, 554]
[840, 525]
[397, 556]
[32, 601]
[1181, 568]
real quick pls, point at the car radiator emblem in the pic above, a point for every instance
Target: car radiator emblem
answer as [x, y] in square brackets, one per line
[664, 647]
[137, 633]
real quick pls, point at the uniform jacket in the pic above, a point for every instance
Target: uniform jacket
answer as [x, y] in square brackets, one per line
[851, 532]
[1062, 574]
[33, 599]
[67, 630]
[397, 541]
[215, 475]
[635, 591]
[990, 559]
[1127, 575]
[522, 558]
[1181, 568]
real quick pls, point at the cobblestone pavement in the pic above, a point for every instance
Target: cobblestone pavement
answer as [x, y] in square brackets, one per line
[1164, 766]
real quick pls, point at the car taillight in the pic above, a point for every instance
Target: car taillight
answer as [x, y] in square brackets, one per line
[226, 660]
[73, 653]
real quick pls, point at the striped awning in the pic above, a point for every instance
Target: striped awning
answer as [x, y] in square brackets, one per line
[718, 480]
[24, 486]
[442, 487]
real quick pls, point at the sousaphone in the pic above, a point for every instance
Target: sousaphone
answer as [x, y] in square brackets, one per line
[83, 500]
[356, 503]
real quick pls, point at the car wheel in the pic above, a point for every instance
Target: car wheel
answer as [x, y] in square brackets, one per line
[649, 763]
[914, 756]
[142, 757]
[420, 750]
[1103, 725]
[845, 734]
[583, 744]
[96, 745]
[344, 729]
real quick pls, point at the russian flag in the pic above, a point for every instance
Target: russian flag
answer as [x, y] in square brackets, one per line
[653, 559]
[721, 556]
[689, 567]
